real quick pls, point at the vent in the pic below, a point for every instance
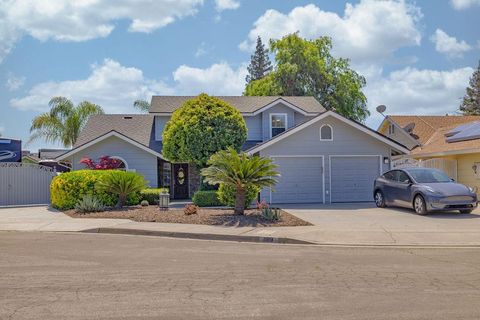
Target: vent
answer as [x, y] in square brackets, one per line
[127, 117]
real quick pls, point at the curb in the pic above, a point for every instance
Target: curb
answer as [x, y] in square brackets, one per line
[198, 236]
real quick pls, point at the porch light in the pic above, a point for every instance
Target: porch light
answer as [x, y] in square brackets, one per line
[163, 200]
[386, 160]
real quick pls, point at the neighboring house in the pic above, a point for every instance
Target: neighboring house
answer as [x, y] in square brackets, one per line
[449, 143]
[46, 157]
[322, 156]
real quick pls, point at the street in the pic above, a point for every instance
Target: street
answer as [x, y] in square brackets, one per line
[94, 276]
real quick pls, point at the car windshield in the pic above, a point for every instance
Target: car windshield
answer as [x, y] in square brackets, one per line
[429, 176]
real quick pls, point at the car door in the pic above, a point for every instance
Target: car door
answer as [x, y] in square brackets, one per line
[388, 186]
[403, 186]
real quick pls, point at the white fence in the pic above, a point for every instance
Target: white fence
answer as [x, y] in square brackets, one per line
[24, 184]
[448, 166]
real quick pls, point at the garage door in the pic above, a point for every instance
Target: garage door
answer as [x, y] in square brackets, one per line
[352, 178]
[301, 180]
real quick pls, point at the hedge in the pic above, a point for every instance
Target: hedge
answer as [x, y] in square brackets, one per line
[151, 194]
[226, 195]
[68, 188]
[206, 199]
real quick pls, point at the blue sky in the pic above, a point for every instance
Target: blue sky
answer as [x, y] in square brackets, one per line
[417, 56]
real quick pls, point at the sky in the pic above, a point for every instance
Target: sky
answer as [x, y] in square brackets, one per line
[417, 56]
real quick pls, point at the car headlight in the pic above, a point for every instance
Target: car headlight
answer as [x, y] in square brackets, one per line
[472, 189]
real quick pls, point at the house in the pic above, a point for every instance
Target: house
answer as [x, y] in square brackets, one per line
[47, 158]
[322, 156]
[449, 143]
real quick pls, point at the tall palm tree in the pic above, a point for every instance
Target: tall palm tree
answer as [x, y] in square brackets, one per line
[63, 122]
[238, 170]
[142, 105]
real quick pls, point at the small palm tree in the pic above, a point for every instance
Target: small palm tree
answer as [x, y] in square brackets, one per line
[63, 122]
[121, 183]
[142, 105]
[238, 170]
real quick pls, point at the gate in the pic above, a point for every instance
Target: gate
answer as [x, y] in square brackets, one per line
[24, 184]
[449, 166]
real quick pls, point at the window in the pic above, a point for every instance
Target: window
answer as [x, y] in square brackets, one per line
[164, 173]
[278, 123]
[391, 129]
[326, 133]
[402, 177]
[123, 164]
[389, 175]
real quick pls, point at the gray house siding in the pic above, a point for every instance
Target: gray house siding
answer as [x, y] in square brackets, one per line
[254, 127]
[300, 118]
[160, 123]
[346, 141]
[136, 158]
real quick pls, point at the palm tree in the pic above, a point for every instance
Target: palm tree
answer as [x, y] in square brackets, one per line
[122, 184]
[142, 105]
[63, 122]
[231, 168]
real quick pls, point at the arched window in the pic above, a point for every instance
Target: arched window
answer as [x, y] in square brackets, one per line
[123, 164]
[326, 133]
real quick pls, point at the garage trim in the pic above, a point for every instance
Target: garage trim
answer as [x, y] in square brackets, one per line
[380, 167]
[305, 156]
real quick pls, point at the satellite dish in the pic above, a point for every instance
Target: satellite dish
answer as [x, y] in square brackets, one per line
[409, 127]
[381, 108]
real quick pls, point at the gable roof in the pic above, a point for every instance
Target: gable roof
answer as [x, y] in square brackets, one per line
[437, 145]
[245, 104]
[375, 134]
[426, 126]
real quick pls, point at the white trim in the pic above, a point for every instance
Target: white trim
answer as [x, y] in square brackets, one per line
[374, 134]
[277, 114]
[305, 156]
[380, 167]
[106, 136]
[121, 159]
[331, 132]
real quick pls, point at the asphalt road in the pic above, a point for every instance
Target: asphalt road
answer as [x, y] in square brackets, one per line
[92, 276]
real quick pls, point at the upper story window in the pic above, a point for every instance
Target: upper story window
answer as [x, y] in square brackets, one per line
[326, 132]
[391, 129]
[278, 123]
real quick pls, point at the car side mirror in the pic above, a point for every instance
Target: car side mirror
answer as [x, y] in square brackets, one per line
[453, 180]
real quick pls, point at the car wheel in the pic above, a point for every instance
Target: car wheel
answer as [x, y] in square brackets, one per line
[466, 211]
[379, 199]
[419, 205]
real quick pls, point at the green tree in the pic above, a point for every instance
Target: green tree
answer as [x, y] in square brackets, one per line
[230, 168]
[471, 101]
[142, 105]
[307, 68]
[64, 122]
[260, 64]
[122, 184]
[200, 127]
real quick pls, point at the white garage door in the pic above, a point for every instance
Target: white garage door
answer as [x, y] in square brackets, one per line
[301, 180]
[352, 178]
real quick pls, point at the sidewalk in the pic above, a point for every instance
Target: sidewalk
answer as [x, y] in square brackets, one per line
[46, 219]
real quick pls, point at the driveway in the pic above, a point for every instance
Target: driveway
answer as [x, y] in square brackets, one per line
[364, 223]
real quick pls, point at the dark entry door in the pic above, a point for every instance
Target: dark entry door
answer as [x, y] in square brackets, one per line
[180, 187]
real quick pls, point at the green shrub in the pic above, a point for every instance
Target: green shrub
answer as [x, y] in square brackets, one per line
[226, 195]
[68, 188]
[151, 194]
[122, 184]
[206, 199]
[89, 203]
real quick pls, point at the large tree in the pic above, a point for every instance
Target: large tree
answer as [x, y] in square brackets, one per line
[260, 64]
[63, 123]
[201, 127]
[307, 68]
[142, 105]
[471, 101]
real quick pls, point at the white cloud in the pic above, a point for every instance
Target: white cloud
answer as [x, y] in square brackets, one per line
[448, 45]
[464, 4]
[221, 5]
[415, 91]
[368, 32]
[110, 85]
[66, 20]
[115, 87]
[218, 79]
[13, 82]
[201, 50]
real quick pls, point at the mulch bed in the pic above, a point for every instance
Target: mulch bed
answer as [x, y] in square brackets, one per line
[218, 217]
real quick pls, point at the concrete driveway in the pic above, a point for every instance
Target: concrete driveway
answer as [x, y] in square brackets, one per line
[364, 223]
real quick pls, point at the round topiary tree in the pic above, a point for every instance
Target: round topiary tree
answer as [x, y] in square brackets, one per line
[201, 127]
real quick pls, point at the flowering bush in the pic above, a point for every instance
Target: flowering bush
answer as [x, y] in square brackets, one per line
[103, 163]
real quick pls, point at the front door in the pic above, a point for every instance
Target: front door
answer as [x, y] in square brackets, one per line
[180, 184]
